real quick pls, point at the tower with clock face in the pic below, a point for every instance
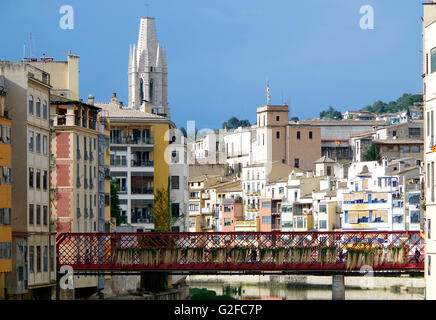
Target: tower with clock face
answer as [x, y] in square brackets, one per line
[148, 72]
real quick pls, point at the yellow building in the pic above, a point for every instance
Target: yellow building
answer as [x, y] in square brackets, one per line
[138, 142]
[5, 192]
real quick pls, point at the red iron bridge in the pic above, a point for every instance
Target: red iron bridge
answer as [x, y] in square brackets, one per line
[242, 252]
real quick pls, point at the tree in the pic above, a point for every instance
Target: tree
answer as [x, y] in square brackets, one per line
[331, 113]
[161, 210]
[402, 103]
[115, 204]
[295, 119]
[372, 153]
[183, 131]
[234, 123]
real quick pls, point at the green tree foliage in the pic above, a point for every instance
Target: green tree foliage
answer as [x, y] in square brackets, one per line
[115, 204]
[402, 103]
[234, 123]
[183, 131]
[161, 210]
[331, 113]
[295, 119]
[372, 154]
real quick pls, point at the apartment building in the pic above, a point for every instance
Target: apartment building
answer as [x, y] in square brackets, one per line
[179, 173]
[269, 215]
[197, 198]
[231, 211]
[238, 144]
[429, 84]
[5, 191]
[33, 232]
[138, 144]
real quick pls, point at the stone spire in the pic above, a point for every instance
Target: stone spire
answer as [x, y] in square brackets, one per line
[148, 72]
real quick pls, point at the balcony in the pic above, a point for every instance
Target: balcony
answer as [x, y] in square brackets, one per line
[86, 215]
[206, 211]
[139, 190]
[205, 196]
[142, 163]
[78, 213]
[77, 120]
[78, 184]
[132, 140]
[85, 184]
[86, 155]
[91, 156]
[78, 154]
[61, 120]
[91, 213]
[118, 162]
[91, 183]
[107, 173]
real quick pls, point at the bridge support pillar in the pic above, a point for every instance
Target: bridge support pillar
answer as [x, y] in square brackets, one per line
[338, 287]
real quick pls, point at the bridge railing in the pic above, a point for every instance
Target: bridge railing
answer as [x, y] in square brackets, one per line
[241, 251]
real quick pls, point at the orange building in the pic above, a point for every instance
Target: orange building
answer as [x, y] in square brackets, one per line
[5, 192]
[269, 215]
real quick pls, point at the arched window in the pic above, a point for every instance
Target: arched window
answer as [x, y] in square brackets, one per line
[38, 108]
[31, 105]
[44, 110]
[141, 90]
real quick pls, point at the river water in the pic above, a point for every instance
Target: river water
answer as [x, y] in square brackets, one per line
[309, 287]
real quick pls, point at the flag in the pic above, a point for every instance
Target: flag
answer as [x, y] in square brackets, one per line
[422, 234]
[433, 148]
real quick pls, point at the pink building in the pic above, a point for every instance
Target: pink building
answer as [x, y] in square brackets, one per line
[231, 211]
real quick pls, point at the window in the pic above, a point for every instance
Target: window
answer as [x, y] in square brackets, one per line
[277, 118]
[404, 149]
[227, 209]
[429, 264]
[38, 179]
[31, 141]
[44, 110]
[415, 216]
[322, 208]
[433, 60]
[5, 134]
[298, 135]
[31, 177]
[175, 210]
[323, 224]
[175, 229]
[414, 148]
[38, 143]
[45, 258]
[44, 180]
[329, 170]
[38, 108]
[31, 214]
[310, 135]
[44, 145]
[296, 163]
[31, 105]
[38, 258]
[266, 220]
[52, 258]
[38, 215]
[227, 222]
[5, 216]
[429, 228]
[278, 134]
[175, 182]
[45, 215]
[31, 259]
[6, 175]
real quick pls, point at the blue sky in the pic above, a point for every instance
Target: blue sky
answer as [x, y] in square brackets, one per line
[220, 52]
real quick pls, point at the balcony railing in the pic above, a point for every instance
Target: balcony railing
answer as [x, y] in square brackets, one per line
[91, 156]
[86, 155]
[79, 214]
[85, 184]
[206, 211]
[139, 190]
[85, 215]
[78, 154]
[138, 218]
[119, 162]
[132, 140]
[205, 196]
[77, 121]
[91, 213]
[78, 184]
[107, 173]
[62, 120]
[91, 183]
[142, 163]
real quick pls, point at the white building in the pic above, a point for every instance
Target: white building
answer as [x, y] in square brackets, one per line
[429, 76]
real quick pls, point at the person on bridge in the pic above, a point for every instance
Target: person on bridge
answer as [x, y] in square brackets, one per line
[417, 255]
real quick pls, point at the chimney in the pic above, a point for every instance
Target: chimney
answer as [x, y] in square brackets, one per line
[114, 98]
[91, 99]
